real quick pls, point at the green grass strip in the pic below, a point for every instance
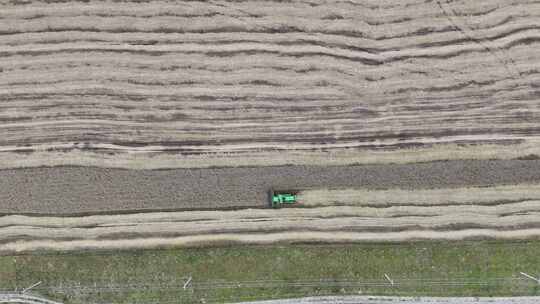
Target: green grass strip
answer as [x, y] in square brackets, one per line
[236, 273]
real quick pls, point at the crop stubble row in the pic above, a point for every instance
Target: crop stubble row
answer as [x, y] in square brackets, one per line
[227, 83]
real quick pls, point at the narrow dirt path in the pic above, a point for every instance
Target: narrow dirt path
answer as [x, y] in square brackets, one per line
[400, 300]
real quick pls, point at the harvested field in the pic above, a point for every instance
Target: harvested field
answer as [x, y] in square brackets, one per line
[160, 84]
[505, 212]
[114, 85]
[457, 197]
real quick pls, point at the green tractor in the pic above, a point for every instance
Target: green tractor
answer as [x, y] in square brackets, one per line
[280, 198]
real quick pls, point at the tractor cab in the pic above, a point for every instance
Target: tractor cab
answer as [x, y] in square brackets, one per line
[280, 198]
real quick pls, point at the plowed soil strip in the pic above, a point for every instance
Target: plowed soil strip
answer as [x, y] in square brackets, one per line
[81, 190]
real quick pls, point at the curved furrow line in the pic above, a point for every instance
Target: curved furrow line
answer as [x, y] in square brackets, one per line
[452, 224]
[155, 11]
[301, 42]
[154, 120]
[430, 111]
[429, 34]
[505, 43]
[424, 38]
[194, 60]
[374, 115]
[362, 3]
[229, 146]
[48, 103]
[247, 92]
[246, 76]
[255, 50]
[232, 29]
[225, 26]
[197, 75]
[492, 208]
[412, 17]
[198, 101]
[430, 83]
[216, 143]
[304, 126]
[284, 80]
[301, 124]
[197, 146]
[268, 238]
[171, 63]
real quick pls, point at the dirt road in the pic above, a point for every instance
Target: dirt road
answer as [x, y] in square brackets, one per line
[400, 300]
[12, 298]
[73, 190]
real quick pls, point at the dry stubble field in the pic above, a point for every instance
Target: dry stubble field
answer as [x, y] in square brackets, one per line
[160, 84]
[195, 84]
[504, 212]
